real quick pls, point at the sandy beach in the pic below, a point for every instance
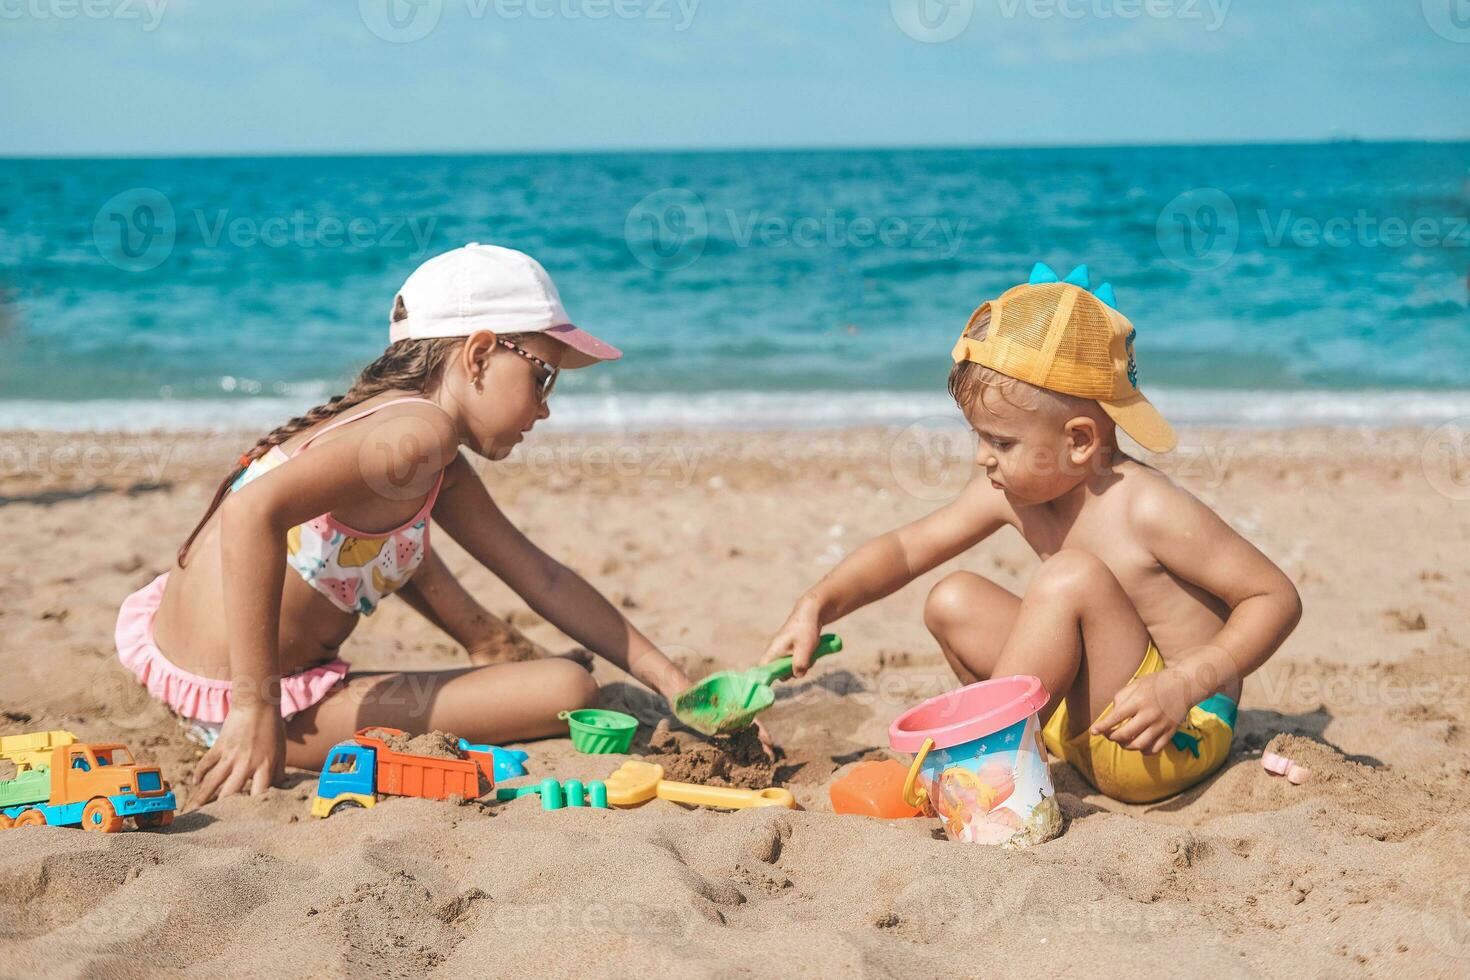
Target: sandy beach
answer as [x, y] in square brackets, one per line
[705, 538]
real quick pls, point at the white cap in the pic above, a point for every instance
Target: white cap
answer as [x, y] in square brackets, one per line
[486, 287]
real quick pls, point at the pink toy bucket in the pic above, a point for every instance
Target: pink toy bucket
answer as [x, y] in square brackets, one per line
[979, 763]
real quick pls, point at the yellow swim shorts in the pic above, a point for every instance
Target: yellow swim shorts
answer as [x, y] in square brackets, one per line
[1197, 749]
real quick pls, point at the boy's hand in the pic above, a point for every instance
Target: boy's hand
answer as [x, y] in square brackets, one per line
[1147, 712]
[797, 639]
[249, 755]
[767, 746]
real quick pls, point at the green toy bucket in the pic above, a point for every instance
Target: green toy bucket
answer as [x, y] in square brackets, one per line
[599, 732]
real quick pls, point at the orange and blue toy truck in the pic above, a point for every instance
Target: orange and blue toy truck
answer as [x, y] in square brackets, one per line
[364, 767]
[60, 782]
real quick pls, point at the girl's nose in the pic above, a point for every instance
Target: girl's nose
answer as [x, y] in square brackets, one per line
[545, 410]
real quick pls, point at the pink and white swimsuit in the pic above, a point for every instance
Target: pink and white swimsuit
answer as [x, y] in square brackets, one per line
[355, 570]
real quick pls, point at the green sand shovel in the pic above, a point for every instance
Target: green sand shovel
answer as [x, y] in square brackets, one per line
[730, 700]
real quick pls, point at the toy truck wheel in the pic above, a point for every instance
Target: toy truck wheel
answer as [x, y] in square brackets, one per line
[154, 821]
[100, 815]
[346, 805]
[31, 818]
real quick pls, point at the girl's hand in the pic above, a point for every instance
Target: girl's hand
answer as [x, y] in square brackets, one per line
[672, 682]
[1147, 712]
[250, 754]
[796, 639]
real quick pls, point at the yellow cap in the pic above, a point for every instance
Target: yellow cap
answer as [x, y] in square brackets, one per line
[1059, 336]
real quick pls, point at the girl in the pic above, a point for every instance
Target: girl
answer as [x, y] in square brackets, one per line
[242, 635]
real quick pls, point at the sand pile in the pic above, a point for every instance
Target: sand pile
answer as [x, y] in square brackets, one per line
[438, 745]
[1373, 801]
[738, 760]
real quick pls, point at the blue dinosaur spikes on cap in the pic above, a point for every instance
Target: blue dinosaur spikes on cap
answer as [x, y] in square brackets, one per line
[1043, 273]
[1051, 339]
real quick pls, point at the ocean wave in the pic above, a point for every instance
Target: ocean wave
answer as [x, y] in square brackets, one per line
[634, 412]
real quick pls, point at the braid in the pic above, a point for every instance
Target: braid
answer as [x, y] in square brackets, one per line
[408, 365]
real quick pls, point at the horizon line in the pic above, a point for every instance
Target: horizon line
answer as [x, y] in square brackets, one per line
[713, 150]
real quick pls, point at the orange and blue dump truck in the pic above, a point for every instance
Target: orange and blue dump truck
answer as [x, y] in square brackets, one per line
[365, 767]
[61, 782]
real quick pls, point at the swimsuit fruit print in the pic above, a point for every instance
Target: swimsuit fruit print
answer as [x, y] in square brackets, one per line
[344, 590]
[357, 552]
[387, 586]
[360, 571]
[353, 571]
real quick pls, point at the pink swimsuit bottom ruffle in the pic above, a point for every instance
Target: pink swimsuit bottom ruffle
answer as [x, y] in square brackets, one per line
[189, 695]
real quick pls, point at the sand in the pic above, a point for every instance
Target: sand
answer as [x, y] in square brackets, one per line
[705, 539]
[436, 745]
[738, 760]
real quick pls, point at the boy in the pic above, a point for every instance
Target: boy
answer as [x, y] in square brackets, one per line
[1147, 610]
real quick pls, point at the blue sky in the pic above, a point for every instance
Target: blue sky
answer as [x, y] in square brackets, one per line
[165, 77]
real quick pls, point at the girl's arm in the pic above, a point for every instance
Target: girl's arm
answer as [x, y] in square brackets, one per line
[250, 752]
[357, 468]
[442, 599]
[556, 593]
[888, 563]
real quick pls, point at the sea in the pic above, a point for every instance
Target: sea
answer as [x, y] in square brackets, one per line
[1269, 284]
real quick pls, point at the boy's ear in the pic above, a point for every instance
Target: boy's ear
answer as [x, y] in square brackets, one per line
[1084, 439]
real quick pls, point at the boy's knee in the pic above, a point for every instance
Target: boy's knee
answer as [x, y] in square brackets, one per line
[950, 602]
[1070, 572]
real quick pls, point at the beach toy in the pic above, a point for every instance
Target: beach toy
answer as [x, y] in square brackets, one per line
[505, 763]
[730, 700]
[556, 796]
[599, 732]
[364, 767]
[979, 763]
[551, 798]
[60, 782]
[873, 789]
[1280, 765]
[638, 782]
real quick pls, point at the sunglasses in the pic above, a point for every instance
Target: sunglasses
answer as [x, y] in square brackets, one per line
[547, 380]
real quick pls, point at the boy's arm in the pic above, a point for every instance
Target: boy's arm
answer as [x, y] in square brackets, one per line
[886, 564]
[1193, 543]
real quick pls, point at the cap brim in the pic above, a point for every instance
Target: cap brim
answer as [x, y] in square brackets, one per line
[585, 348]
[1137, 416]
